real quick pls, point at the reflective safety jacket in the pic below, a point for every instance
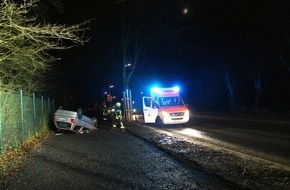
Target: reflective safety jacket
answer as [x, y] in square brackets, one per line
[117, 112]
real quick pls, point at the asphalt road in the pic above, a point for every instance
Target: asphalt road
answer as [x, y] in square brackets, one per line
[105, 159]
[264, 139]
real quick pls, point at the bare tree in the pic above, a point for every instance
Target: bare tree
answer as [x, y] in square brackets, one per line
[142, 23]
[281, 36]
[231, 88]
[276, 22]
[25, 43]
[259, 74]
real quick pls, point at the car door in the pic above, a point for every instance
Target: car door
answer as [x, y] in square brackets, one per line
[150, 110]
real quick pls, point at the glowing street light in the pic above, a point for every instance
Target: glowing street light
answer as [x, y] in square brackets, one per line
[128, 65]
[185, 11]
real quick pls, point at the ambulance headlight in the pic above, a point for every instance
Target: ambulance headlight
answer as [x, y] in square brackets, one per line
[165, 114]
[186, 113]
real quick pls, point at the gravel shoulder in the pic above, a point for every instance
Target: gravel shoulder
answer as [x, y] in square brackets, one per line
[245, 171]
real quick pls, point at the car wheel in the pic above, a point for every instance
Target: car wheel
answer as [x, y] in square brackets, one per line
[80, 113]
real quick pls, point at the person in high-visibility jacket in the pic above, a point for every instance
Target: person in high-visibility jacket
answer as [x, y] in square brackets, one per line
[117, 116]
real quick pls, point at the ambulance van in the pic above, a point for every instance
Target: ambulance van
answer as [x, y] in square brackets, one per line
[165, 106]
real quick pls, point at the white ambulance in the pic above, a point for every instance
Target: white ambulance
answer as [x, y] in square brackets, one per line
[165, 106]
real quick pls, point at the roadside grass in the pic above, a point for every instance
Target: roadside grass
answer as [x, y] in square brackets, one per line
[12, 159]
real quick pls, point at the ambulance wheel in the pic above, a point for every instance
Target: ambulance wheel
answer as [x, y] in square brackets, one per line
[80, 113]
[158, 122]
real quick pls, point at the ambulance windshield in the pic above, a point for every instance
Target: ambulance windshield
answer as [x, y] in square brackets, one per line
[170, 101]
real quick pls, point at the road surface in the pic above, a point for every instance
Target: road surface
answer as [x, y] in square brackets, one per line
[105, 159]
[263, 139]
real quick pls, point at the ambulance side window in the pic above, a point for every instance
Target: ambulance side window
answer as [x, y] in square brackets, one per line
[154, 104]
[147, 102]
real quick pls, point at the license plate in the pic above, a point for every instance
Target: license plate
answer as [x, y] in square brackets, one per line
[63, 124]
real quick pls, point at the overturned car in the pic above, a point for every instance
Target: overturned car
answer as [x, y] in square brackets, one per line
[74, 121]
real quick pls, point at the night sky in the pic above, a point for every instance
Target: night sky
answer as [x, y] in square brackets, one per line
[236, 35]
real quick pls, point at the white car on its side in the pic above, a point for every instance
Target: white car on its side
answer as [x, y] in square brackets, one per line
[74, 121]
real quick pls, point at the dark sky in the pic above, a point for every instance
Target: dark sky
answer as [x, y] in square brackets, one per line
[215, 34]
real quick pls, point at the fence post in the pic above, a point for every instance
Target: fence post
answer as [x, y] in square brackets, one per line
[34, 108]
[48, 105]
[22, 115]
[42, 107]
[1, 143]
[53, 108]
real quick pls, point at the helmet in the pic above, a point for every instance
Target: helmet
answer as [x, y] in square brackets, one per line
[118, 104]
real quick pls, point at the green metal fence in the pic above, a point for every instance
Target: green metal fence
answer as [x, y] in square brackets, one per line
[21, 117]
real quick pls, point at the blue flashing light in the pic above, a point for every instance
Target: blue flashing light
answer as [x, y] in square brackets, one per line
[176, 89]
[155, 90]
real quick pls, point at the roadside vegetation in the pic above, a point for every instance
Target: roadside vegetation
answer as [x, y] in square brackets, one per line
[27, 41]
[12, 160]
[27, 45]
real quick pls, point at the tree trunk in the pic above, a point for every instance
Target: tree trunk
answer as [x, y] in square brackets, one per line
[231, 92]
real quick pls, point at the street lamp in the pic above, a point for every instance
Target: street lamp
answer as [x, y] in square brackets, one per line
[185, 11]
[128, 65]
[110, 95]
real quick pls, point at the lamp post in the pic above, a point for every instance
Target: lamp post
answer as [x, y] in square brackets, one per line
[110, 95]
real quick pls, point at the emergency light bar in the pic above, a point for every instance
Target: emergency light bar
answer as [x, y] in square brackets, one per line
[172, 91]
[176, 89]
[159, 90]
[155, 90]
